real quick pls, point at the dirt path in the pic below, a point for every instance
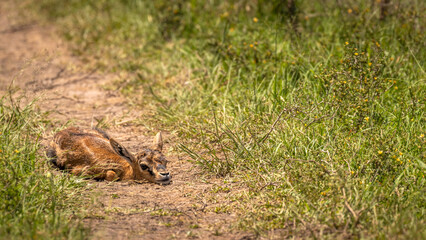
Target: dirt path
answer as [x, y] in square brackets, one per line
[41, 65]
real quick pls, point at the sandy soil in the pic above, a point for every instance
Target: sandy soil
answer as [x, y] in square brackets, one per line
[38, 62]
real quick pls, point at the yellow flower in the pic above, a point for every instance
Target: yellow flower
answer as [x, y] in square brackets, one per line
[396, 87]
[231, 30]
[421, 135]
[346, 43]
[369, 64]
[349, 11]
[375, 78]
[352, 172]
[255, 19]
[380, 152]
[1, 150]
[16, 150]
[366, 119]
[356, 54]
[251, 45]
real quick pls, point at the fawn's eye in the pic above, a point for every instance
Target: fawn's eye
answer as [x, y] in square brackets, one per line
[144, 166]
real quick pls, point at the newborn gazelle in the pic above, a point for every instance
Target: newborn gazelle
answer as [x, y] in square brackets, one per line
[94, 153]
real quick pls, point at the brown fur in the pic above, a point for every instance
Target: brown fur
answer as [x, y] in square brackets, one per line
[94, 153]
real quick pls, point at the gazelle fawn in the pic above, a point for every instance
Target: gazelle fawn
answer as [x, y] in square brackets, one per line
[93, 153]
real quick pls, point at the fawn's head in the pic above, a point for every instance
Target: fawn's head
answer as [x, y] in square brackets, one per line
[149, 164]
[153, 163]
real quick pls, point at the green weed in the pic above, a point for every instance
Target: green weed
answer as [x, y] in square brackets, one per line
[33, 202]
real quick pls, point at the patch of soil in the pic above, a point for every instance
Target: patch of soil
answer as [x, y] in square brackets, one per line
[39, 63]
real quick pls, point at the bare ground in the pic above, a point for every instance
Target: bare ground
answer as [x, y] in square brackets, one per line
[39, 64]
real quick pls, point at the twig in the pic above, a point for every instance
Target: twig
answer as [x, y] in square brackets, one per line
[17, 28]
[273, 125]
[267, 185]
[349, 206]
[318, 119]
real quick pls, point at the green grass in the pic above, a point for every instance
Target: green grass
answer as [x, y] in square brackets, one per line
[34, 203]
[317, 109]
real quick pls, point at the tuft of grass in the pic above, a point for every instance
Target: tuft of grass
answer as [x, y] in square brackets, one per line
[34, 203]
[317, 107]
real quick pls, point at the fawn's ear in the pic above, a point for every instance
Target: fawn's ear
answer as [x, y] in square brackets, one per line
[158, 142]
[121, 150]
